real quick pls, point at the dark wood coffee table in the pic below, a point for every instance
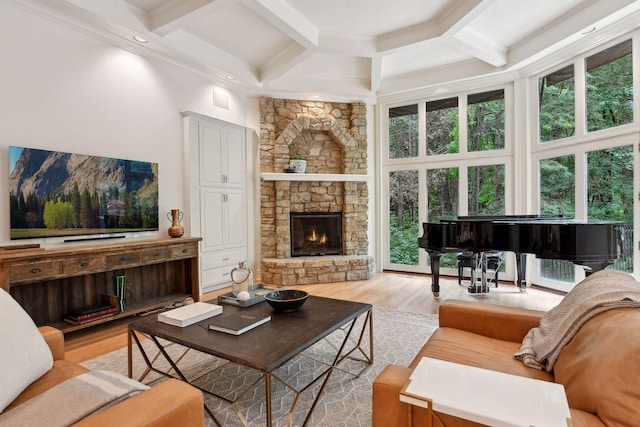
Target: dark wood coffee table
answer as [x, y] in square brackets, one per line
[268, 346]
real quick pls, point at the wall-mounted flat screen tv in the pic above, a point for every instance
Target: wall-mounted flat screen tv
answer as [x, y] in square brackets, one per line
[57, 194]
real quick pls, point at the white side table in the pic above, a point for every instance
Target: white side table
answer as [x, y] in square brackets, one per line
[485, 396]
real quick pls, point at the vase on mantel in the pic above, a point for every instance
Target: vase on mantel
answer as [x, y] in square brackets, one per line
[175, 216]
[298, 165]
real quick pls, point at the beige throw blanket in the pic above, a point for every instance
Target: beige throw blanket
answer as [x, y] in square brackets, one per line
[599, 292]
[72, 400]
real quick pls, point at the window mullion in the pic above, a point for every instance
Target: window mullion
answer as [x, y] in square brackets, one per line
[463, 127]
[422, 129]
[580, 98]
[581, 185]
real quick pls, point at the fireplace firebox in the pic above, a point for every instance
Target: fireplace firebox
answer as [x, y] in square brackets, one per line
[315, 234]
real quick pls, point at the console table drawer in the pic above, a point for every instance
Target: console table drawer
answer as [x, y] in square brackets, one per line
[83, 265]
[157, 254]
[184, 251]
[33, 270]
[123, 259]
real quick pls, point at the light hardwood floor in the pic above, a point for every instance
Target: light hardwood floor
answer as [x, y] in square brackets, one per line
[402, 291]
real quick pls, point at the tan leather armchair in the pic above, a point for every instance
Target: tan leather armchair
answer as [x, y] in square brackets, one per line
[170, 403]
[600, 367]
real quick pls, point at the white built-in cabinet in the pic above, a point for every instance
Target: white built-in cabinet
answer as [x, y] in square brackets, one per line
[217, 180]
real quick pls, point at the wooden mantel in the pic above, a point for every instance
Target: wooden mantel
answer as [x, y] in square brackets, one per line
[327, 177]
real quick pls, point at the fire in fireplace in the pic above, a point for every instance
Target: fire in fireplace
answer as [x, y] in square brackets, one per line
[316, 233]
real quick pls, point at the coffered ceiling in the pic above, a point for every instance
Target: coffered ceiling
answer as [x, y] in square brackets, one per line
[356, 49]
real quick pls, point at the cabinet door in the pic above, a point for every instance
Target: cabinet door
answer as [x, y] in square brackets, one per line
[234, 167]
[236, 219]
[212, 219]
[212, 152]
[223, 219]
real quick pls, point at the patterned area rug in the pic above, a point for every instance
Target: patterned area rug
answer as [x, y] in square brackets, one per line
[346, 400]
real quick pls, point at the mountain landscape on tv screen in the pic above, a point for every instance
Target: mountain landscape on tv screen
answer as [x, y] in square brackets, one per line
[53, 193]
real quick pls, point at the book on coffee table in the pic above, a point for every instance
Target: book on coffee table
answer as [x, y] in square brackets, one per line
[238, 323]
[190, 314]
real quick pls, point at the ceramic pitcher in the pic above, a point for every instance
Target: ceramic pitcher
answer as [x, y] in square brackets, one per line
[175, 216]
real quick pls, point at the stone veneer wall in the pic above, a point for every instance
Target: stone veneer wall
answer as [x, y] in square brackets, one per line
[333, 139]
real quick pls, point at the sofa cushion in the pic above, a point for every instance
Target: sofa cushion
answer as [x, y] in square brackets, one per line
[25, 355]
[472, 349]
[600, 367]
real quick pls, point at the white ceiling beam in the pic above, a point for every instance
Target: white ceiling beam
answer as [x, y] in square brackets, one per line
[462, 14]
[376, 73]
[454, 18]
[177, 15]
[463, 73]
[99, 13]
[414, 35]
[287, 20]
[566, 29]
[480, 46]
[211, 56]
[347, 45]
[329, 87]
[461, 36]
[285, 61]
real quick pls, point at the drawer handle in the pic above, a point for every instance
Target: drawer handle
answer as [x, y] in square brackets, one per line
[185, 251]
[123, 258]
[84, 264]
[35, 270]
[225, 259]
[225, 274]
[156, 254]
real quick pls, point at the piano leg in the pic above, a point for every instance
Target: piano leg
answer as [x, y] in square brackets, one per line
[435, 272]
[521, 264]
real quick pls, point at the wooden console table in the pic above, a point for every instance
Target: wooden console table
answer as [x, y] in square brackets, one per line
[50, 283]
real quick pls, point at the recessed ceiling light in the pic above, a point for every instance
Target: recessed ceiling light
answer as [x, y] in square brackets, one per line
[140, 39]
[230, 78]
[315, 97]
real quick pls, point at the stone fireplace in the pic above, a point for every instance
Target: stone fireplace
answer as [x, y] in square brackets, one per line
[332, 137]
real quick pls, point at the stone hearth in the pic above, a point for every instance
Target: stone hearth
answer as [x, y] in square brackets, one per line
[333, 139]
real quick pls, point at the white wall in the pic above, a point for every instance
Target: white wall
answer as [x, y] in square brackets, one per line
[62, 89]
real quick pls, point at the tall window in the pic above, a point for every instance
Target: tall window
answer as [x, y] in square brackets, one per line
[403, 217]
[485, 119]
[486, 190]
[558, 186]
[442, 201]
[610, 194]
[556, 100]
[557, 198]
[442, 179]
[442, 126]
[442, 191]
[403, 132]
[609, 88]
[606, 175]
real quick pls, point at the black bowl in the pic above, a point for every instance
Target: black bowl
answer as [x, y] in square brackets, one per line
[286, 300]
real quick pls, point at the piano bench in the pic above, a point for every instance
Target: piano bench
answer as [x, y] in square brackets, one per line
[466, 260]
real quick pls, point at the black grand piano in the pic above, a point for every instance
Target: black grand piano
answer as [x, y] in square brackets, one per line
[592, 244]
